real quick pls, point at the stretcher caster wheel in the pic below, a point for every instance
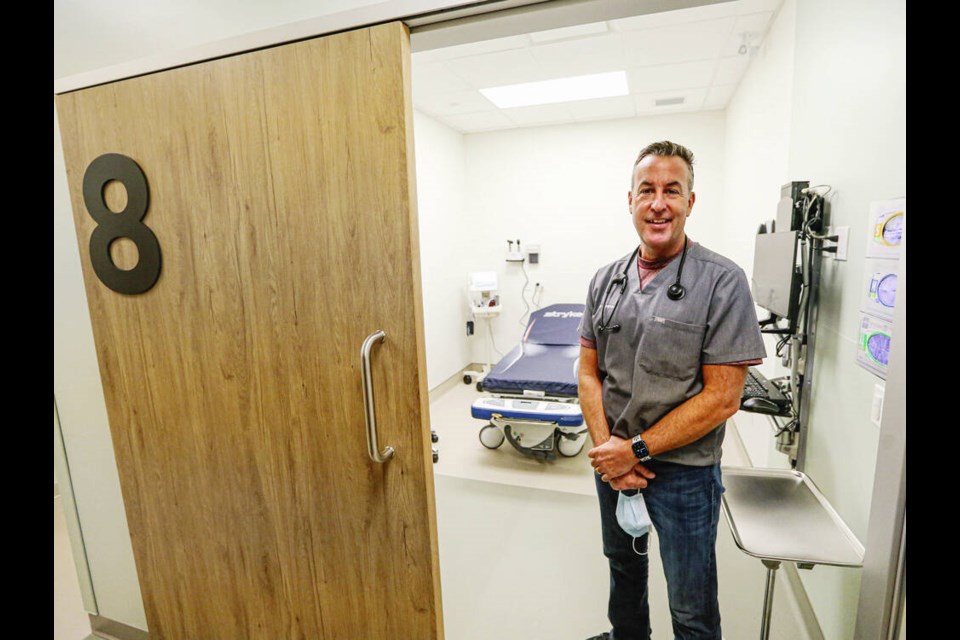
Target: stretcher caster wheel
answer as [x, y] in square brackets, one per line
[570, 448]
[491, 437]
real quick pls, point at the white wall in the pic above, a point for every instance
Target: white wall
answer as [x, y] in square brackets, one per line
[444, 244]
[565, 188]
[841, 121]
[848, 130]
[757, 138]
[78, 393]
[756, 162]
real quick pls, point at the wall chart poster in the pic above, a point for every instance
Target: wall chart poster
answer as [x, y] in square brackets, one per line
[873, 344]
[879, 288]
[887, 221]
[885, 239]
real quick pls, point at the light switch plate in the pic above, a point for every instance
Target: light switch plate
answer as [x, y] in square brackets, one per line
[876, 408]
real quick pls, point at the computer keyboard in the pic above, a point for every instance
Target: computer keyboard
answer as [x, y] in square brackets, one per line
[762, 396]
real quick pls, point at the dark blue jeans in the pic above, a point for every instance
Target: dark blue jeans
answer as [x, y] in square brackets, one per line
[684, 506]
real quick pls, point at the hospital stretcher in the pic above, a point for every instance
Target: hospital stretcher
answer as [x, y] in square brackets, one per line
[533, 400]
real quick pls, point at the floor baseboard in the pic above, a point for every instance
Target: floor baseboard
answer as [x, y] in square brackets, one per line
[108, 629]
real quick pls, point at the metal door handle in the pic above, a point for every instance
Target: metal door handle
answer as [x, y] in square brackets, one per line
[368, 404]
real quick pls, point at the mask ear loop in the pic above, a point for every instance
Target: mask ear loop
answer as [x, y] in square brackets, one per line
[633, 543]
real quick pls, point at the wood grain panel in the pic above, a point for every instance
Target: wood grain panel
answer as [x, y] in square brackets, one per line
[281, 186]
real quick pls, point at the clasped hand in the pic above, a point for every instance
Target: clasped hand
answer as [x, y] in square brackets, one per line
[616, 464]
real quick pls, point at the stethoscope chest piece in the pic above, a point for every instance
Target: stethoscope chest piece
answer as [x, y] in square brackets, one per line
[676, 290]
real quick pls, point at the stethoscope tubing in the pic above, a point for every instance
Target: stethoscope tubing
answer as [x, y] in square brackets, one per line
[675, 292]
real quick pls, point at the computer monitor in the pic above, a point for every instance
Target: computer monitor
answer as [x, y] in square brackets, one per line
[789, 213]
[776, 276]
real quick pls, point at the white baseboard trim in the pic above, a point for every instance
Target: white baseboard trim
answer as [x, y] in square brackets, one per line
[108, 629]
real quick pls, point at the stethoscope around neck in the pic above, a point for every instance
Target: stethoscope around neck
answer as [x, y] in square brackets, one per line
[674, 291]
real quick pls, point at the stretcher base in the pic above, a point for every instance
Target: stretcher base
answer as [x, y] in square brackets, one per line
[528, 427]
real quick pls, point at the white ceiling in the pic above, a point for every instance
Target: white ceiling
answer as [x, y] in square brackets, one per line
[689, 53]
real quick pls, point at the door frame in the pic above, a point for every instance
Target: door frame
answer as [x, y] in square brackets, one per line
[433, 24]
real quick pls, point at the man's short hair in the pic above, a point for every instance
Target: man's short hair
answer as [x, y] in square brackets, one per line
[665, 149]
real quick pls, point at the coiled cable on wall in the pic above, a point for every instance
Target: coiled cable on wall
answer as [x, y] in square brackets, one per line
[523, 296]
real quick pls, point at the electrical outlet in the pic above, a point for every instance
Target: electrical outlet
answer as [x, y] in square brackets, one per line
[843, 238]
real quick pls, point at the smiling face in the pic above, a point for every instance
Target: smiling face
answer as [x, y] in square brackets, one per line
[660, 202]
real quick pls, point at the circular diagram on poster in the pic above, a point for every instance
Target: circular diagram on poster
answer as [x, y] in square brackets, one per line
[893, 229]
[887, 290]
[878, 346]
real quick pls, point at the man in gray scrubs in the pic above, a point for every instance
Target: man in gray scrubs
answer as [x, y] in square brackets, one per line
[666, 338]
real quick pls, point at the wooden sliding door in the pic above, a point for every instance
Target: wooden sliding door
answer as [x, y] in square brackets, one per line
[244, 225]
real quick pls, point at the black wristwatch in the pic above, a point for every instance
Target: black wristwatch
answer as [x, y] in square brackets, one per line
[640, 449]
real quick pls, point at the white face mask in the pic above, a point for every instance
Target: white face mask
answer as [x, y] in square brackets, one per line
[632, 516]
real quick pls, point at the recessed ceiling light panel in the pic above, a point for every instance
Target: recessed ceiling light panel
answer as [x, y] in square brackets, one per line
[597, 85]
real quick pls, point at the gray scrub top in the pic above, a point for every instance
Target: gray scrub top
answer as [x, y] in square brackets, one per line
[654, 362]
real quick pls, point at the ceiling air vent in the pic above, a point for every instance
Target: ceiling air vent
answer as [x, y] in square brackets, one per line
[666, 102]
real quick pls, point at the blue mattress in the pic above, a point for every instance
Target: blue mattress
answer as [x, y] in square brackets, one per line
[545, 361]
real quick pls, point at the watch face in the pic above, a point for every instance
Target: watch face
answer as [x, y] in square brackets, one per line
[878, 346]
[893, 229]
[887, 290]
[640, 449]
